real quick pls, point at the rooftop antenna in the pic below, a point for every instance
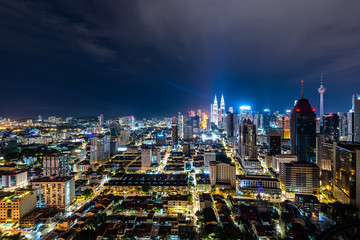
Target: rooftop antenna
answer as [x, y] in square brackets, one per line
[321, 79]
[302, 89]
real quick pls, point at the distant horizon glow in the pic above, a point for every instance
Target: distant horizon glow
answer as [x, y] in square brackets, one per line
[245, 107]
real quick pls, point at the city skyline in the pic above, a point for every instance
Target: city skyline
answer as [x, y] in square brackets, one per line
[189, 119]
[116, 59]
[209, 111]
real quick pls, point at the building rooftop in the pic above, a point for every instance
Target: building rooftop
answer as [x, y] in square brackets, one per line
[17, 196]
[177, 198]
[52, 179]
[300, 164]
[152, 179]
[13, 172]
[285, 155]
[307, 198]
[258, 177]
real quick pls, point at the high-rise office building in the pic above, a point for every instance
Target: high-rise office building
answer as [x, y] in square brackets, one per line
[181, 125]
[247, 142]
[56, 164]
[57, 192]
[274, 144]
[125, 133]
[195, 121]
[303, 130]
[188, 131]
[209, 156]
[222, 109]
[300, 177]
[99, 149]
[160, 139]
[331, 126]
[231, 125]
[101, 120]
[150, 157]
[245, 113]
[356, 118]
[215, 112]
[222, 174]
[343, 160]
[350, 125]
[264, 121]
[277, 160]
[342, 125]
[174, 133]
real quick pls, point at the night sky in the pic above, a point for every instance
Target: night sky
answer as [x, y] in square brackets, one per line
[156, 58]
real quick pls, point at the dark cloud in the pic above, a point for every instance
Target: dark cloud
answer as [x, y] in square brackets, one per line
[159, 57]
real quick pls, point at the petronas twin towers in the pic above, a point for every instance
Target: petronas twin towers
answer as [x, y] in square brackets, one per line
[218, 115]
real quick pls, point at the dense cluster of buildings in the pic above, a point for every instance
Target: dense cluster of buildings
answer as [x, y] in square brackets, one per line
[178, 176]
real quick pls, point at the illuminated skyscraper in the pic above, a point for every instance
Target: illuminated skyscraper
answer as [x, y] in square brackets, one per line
[174, 133]
[247, 143]
[215, 112]
[181, 125]
[356, 117]
[99, 149]
[101, 120]
[331, 126]
[350, 125]
[231, 125]
[342, 125]
[303, 129]
[321, 90]
[245, 113]
[222, 109]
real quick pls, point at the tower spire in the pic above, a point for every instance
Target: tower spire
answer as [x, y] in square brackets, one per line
[302, 89]
[222, 102]
[321, 77]
[216, 111]
[321, 90]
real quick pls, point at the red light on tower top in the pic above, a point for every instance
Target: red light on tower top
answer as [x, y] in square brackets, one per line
[302, 89]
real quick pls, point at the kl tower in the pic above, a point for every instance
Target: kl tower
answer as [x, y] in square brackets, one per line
[321, 90]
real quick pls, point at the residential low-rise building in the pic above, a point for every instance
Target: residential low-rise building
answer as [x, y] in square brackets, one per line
[161, 182]
[203, 182]
[309, 204]
[259, 185]
[205, 201]
[177, 203]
